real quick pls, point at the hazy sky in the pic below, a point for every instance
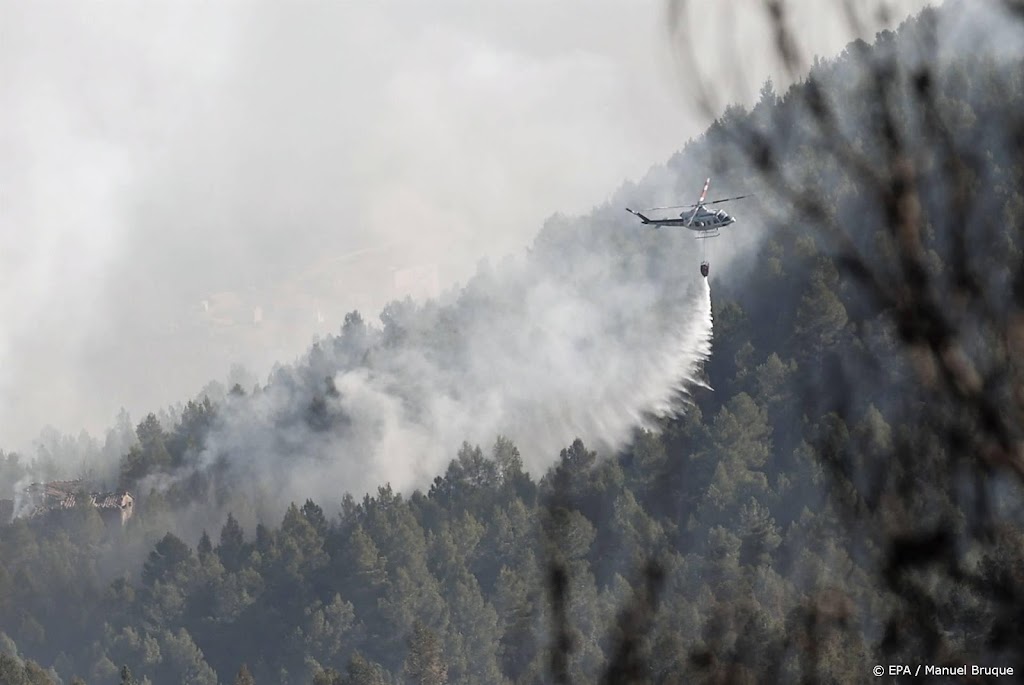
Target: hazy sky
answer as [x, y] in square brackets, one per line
[166, 168]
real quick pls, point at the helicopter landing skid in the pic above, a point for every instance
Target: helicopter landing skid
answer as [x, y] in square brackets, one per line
[713, 233]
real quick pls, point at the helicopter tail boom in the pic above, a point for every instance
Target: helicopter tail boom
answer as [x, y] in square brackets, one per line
[642, 217]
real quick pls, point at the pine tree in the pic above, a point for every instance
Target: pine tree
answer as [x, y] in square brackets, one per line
[360, 671]
[126, 674]
[232, 544]
[424, 664]
[205, 546]
[244, 677]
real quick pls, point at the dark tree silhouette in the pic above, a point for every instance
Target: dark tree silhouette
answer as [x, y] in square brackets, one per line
[933, 279]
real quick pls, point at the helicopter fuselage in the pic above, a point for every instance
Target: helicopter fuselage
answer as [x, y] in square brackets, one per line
[696, 217]
[705, 220]
[700, 221]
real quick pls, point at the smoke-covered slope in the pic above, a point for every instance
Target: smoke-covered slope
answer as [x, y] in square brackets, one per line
[592, 334]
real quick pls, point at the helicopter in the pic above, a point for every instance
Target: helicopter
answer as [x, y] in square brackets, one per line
[705, 222]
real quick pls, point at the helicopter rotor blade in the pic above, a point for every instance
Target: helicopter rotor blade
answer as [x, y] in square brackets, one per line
[727, 199]
[651, 209]
[704, 193]
[699, 203]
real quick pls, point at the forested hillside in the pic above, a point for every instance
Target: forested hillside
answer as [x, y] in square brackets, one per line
[808, 514]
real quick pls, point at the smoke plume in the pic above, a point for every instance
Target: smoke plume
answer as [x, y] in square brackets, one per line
[582, 338]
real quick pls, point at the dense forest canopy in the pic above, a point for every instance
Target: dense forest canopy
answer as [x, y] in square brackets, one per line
[846, 494]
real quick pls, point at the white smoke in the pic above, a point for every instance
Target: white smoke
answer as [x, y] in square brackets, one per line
[23, 504]
[588, 344]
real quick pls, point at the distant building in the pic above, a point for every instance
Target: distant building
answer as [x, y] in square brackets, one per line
[42, 498]
[6, 511]
[113, 506]
[52, 495]
[223, 309]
